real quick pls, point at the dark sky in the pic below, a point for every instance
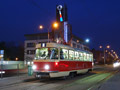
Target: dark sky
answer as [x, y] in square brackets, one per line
[95, 19]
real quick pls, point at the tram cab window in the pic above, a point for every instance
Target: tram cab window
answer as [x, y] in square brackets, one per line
[63, 54]
[46, 53]
[41, 53]
[71, 54]
[76, 56]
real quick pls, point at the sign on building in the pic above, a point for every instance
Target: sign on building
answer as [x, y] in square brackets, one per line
[1, 53]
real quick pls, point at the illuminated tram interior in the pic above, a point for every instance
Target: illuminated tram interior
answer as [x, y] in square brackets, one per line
[65, 54]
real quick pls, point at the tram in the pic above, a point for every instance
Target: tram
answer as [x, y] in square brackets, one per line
[58, 60]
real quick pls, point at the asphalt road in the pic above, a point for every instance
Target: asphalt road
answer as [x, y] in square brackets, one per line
[88, 81]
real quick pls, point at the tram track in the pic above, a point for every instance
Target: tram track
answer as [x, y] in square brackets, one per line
[40, 82]
[90, 82]
[99, 84]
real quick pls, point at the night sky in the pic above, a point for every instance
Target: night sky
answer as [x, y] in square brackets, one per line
[98, 20]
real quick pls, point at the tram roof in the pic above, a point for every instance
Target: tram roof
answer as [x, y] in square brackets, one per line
[60, 46]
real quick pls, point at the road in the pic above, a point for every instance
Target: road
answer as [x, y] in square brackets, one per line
[90, 81]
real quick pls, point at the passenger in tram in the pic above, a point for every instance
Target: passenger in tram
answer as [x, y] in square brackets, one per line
[44, 54]
[55, 56]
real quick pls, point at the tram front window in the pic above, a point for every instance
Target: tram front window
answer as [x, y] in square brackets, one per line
[46, 53]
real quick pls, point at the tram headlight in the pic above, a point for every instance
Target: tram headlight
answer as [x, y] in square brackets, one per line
[34, 67]
[28, 63]
[47, 67]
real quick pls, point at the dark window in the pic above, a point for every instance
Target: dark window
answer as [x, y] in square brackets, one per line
[78, 46]
[30, 44]
[74, 45]
[30, 52]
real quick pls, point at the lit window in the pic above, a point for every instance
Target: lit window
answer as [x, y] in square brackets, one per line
[85, 57]
[63, 54]
[71, 54]
[46, 53]
[81, 56]
[76, 56]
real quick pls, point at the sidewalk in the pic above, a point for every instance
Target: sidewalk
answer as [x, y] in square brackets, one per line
[15, 79]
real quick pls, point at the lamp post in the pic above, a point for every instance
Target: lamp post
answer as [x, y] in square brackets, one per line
[54, 25]
[104, 52]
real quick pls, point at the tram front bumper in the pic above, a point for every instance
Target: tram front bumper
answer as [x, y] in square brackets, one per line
[44, 74]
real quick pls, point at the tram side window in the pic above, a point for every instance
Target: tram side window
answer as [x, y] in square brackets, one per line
[88, 57]
[85, 56]
[81, 56]
[63, 54]
[76, 56]
[91, 57]
[71, 54]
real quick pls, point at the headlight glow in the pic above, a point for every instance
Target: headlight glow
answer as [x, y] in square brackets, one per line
[34, 67]
[47, 67]
[2, 72]
[28, 63]
[116, 64]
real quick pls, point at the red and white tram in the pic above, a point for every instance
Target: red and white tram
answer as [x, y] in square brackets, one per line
[57, 60]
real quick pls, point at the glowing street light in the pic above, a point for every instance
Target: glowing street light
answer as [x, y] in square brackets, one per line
[41, 27]
[55, 25]
[16, 59]
[100, 46]
[87, 40]
[106, 51]
[108, 46]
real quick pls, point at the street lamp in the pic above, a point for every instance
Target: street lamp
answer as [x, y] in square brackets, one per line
[104, 51]
[16, 59]
[41, 27]
[55, 25]
[87, 40]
